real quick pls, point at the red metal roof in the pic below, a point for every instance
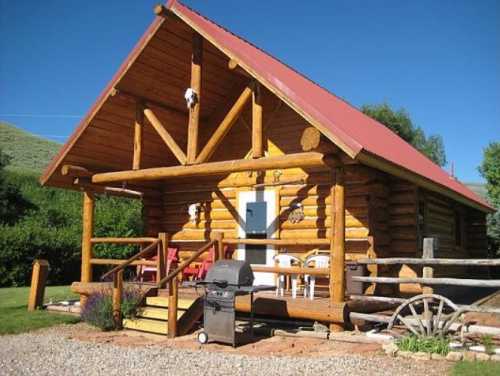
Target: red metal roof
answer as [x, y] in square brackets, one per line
[354, 130]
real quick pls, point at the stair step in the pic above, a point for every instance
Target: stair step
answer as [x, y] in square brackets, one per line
[156, 313]
[146, 325]
[161, 301]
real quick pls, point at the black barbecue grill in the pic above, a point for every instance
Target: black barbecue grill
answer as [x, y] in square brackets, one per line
[225, 280]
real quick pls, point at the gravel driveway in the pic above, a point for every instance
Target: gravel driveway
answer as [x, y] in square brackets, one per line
[51, 352]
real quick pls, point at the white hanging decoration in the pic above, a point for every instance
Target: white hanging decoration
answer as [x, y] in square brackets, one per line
[191, 97]
[194, 212]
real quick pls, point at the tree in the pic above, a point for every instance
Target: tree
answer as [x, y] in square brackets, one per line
[12, 204]
[490, 170]
[400, 123]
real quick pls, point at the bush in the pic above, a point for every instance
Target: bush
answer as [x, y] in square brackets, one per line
[51, 229]
[98, 311]
[435, 345]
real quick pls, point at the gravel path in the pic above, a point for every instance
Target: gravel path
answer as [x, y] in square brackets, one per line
[50, 352]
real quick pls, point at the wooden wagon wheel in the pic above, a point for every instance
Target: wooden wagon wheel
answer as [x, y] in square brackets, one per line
[426, 315]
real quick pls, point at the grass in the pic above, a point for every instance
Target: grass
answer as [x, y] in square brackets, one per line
[14, 318]
[434, 345]
[476, 369]
[28, 151]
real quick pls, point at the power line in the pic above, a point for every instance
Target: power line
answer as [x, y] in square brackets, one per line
[64, 116]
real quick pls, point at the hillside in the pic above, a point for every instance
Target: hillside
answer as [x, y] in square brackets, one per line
[28, 152]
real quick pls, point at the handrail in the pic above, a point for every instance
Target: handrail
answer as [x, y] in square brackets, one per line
[290, 270]
[127, 262]
[428, 261]
[123, 240]
[185, 263]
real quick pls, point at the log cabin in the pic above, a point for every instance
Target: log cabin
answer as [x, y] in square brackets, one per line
[223, 142]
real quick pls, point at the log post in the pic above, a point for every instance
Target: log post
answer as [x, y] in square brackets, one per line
[257, 136]
[87, 231]
[194, 112]
[428, 249]
[38, 279]
[173, 294]
[138, 139]
[337, 247]
[117, 298]
[161, 271]
[218, 237]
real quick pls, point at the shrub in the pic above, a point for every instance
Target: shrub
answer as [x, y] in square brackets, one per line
[98, 311]
[436, 345]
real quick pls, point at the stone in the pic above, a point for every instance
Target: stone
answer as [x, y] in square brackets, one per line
[483, 357]
[421, 356]
[390, 348]
[469, 356]
[437, 357]
[405, 354]
[454, 356]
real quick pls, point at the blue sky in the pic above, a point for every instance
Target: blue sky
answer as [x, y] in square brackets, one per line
[438, 59]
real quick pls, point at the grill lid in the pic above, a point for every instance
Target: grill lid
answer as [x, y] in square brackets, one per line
[230, 272]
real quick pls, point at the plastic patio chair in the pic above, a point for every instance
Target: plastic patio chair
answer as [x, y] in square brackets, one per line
[148, 273]
[316, 261]
[286, 261]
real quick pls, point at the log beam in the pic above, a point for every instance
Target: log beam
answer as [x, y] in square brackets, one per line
[87, 231]
[138, 139]
[75, 171]
[194, 111]
[312, 140]
[225, 126]
[298, 160]
[165, 136]
[257, 136]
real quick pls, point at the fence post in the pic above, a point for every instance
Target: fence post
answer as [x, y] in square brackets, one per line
[38, 279]
[428, 249]
[117, 298]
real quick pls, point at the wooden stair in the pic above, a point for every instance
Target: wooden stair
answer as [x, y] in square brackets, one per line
[153, 316]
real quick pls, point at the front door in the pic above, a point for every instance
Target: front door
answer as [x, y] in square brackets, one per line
[257, 220]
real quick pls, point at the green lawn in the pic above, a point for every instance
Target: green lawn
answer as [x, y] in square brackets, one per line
[16, 319]
[476, 369]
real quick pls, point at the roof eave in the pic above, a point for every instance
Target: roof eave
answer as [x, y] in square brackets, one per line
[379, 163]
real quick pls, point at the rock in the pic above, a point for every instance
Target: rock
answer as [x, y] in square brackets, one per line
[405, 354]
[469, 356]
[495, 358]
[483, 357]
[390, 348]
[454, 356]
[437, 357]
[421, 356]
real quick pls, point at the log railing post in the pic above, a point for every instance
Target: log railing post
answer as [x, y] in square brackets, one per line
[428, 251]
[337, 247]
[161, 271]
[173, 294]
[218, 237]
[194, 113]
[117, 298]
[87, 231]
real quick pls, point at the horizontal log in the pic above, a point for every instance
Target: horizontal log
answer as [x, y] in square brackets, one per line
[75, 171]
[290, 270]
[298, 160]
[430, 261]
[97, 261]
[123, 240]
[431, 281]
[278, 242]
